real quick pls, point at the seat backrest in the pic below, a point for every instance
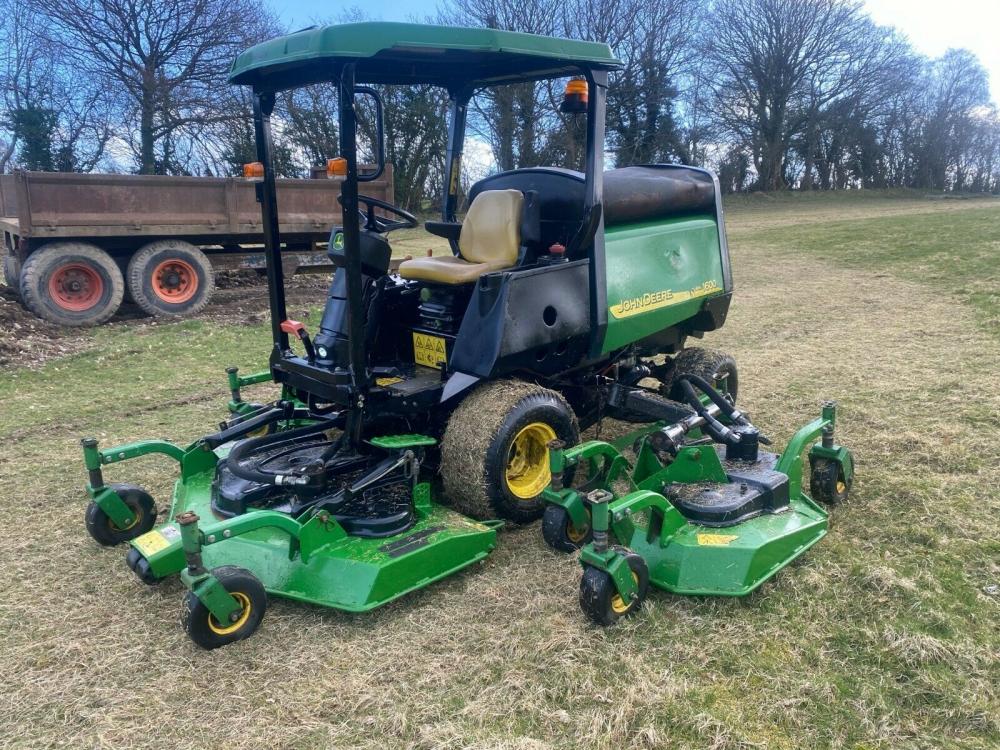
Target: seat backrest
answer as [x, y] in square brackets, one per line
[491, 231]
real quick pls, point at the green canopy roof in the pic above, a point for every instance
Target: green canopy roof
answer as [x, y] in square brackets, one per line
[406, 53]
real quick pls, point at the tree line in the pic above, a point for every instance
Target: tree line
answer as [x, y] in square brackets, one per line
[772, 94]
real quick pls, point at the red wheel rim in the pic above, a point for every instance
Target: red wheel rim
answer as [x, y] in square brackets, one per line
[175, 281]
[76, 287]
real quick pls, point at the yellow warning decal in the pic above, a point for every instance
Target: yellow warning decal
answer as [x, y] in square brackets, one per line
[151, 542]
[715, 540]
[663, 298]
[429, 351]
[386, 382]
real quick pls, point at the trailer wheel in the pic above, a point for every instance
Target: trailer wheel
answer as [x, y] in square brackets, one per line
[12, 272]
[494, 456]
[170, 278]
[72, 284]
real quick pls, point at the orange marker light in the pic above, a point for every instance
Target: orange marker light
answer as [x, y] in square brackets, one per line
[254, 171]
[575, 96]
[336, 167]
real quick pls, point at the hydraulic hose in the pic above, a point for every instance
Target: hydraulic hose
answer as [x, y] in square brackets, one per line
[245, 448]
[713, 427]
[716, 398]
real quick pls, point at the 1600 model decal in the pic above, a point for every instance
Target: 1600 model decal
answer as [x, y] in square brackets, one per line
[664, 298]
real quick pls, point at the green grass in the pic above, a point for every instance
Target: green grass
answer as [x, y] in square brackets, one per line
[956, 253]
[883, 636]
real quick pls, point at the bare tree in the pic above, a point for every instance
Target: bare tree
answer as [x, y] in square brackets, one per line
[168, 60]
[54, 119]
[778, 63]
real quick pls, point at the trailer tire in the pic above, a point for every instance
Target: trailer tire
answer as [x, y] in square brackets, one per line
[170, 278]
[72, 284]
[12, 272]
[494, 455]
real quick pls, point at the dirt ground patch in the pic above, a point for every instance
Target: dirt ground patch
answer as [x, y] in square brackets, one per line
[883, 636]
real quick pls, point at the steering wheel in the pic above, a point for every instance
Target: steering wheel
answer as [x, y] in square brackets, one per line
[374, 222]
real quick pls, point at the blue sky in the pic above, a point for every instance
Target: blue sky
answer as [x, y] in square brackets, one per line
[932, 26]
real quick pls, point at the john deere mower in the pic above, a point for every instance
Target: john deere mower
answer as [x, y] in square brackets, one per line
[418, 416]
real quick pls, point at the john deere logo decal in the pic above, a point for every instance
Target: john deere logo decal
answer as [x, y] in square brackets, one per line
[664, 298]
[338, 241]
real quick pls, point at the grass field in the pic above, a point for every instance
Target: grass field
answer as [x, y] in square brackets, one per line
[885, 635]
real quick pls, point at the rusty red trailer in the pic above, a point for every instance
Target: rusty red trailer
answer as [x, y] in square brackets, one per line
[76, 244]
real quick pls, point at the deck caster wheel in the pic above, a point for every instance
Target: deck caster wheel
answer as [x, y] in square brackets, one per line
[209, 633]
[828, 483]
[559, 532]
[140, 566]
[600, 600]
[103, 529]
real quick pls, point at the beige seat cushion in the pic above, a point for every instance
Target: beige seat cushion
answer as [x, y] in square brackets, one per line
[490, 240]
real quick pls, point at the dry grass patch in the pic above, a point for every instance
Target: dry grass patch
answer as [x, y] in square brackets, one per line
[883, 636]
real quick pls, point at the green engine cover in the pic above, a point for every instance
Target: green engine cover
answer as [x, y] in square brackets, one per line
[659, 274]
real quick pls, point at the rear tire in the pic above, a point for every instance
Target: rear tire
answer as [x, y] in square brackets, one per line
[494, 455]
[72, 284]
[718, 368]
[170, 278]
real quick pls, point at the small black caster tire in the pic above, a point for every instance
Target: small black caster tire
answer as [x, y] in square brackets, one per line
[207, 632]
[559, 532]
[827, 482]
[600, 600]
[104, 531]
[140, 566]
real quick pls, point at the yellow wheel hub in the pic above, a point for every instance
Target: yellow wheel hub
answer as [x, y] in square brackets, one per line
[244, 601]
[618, 605]
[528, 461]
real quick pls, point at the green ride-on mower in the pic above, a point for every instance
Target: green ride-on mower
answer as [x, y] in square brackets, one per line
[418, 417]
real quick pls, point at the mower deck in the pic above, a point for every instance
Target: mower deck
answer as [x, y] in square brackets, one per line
[351, 573]
[310, 556]
[733, 560]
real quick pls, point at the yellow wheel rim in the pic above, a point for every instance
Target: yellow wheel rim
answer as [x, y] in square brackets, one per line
[619, 605]
[135, 521]
[574, 534]
[528, 461]
[244, 601]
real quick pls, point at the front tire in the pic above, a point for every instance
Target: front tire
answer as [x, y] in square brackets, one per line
[207, 632]
[104, 531]
[72, 284]
[494, 455]
[170, 278]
